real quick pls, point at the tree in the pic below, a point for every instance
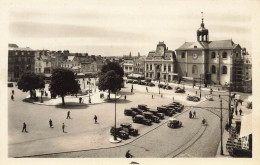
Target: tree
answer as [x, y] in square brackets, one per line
[30, 81]
[63, 82]
[113, 66]
[110, 81]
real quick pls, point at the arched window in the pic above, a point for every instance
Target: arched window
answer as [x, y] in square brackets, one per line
[224, 70]
[213, 69]
[169, 77]
[194, 69]
[224, 55]
[183, 55]
[213, 55]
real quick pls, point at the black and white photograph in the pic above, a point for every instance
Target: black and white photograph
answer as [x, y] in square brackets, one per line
[169, 80]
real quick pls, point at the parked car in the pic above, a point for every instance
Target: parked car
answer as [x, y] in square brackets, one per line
[160, 85]
[135, 81]
[170, 109]
[142, 120]
[156, 113]
[193, 98]
[10, 85]
[127, 127]
[143, 107]
[149, 115]
[165, 110]
[129, 81]
[174, 123]
[137, 110]
[142, 82]
[151, 84]
[130, 112]
[119, 132]
[179, 90]
[167, 87]
[209, 97]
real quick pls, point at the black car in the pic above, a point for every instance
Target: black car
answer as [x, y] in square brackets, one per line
[149, 115]
[156, 113]
[142, 120]
[130, 112]
[170, 109]
[150, 84]
[127, 127]
[143, 107]
[137, 110]
[165, 110]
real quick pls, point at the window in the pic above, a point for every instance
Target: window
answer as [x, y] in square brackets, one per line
[147, 66]
[169, 68]
[224, 55]
[236, 55]
[164, 68]
[213, 69]
[213, 55]
[194, 69]
[130, 68]
[151, 67]
[195, 46]
[164, 77]
[224, 70]
[183, 55]
[169, 77]
[150, 75]
[146, 74]
[29, 60]
[126, 67]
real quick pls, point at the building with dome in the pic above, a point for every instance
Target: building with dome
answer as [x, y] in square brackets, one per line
[212, 62]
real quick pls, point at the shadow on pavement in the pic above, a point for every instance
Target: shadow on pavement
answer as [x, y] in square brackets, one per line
[70, 105]
[118, 101]
[123, 93]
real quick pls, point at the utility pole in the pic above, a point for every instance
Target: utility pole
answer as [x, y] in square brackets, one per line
[200, 86]
[159, 85]
[221, 133]
[115, 120]
[229, 107]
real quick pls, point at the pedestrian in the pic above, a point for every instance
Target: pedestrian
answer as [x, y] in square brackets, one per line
[152, 96]
[240, 111]
[194, 114]
[12, 97]
[172, 98]
[50, 123]
[211, 90]
[125, 97]
[196, 92]
[236, 112]
[68, 115]
[63, 127]
[146, 89]
[218, 95]
[13, 92]
[190, 114]
[95, 118]
[24, 127]
[128, 155]
[80, 100]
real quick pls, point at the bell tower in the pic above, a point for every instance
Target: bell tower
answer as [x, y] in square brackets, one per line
[202, 32]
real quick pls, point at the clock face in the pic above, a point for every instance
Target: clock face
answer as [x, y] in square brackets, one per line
[195, 56]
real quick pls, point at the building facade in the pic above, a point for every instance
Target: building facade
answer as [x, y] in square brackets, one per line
[213, 62]
[160, 64]
[20, 60]
[139, 65]
[128, 67]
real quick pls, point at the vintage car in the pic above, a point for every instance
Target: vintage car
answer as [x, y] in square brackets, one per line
[174, 123]
[179, 90]
[193, 98]
[167, 87]
[119, 132]
[149, 115]
[135, 81]
[129, 81]
[143, 107]
[209, 97]
[171, 109]
[130, 112]
[137, 110]
[127, 127]
[151, 84]
[10, 85]
[156, 113]
[165, 110]
[178, 108]
[142, 82]
[142, 120]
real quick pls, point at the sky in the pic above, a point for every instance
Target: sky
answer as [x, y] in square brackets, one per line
[116, 28]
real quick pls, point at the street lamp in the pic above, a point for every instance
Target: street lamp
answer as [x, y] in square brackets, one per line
[115, 138]
[42, 91]
[200, 86]
[159, 85]
[89, 100]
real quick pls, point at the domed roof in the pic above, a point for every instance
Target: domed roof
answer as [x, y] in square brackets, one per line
[202, 29]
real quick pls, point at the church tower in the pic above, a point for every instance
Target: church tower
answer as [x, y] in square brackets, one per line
[202, 32]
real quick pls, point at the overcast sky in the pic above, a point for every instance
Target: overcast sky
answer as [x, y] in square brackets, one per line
[110, 27]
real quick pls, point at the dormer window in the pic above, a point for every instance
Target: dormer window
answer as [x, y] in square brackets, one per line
[195, 46]
[183, 55]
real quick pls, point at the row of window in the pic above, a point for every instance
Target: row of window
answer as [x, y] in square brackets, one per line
[213, 69]
[21, 59]
[158, 67]
[213, 55]
[164, 76]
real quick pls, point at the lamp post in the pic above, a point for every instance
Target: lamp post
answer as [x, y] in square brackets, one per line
[115, 120]
[89, 100]
[41, 95]
[159, 85]
[221, 133]
[200, 86]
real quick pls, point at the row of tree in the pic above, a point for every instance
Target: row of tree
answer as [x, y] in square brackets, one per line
[64, 82]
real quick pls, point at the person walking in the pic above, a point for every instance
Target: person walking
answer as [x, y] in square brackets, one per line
[63, 127]
[236, 112]
[125, 97]
[95, 118]
[218, 95]
[50, 123]
[196, 92]
[190, 114]
[152, 96]
[211, 90]
[172, 98]
[240, 111]
[24, 128]
[12, 97]
[194, 114]
[13, 92]
[68, 115]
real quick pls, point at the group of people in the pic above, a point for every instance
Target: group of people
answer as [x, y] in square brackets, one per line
[51, 124]
[12, 96]
[192, 115]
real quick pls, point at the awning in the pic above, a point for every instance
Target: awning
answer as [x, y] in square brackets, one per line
[246, 125]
